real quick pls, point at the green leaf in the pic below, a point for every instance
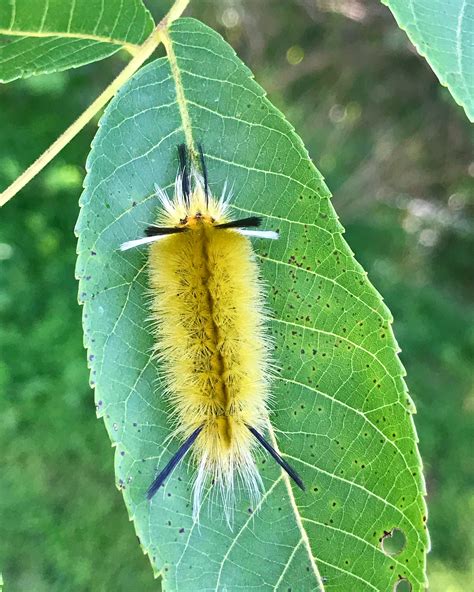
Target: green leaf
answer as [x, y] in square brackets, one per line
[51, 35]
[443, 33]
[341, 413]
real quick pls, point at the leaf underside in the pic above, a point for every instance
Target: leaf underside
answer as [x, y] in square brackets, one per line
[443, 33]
[52, 35]
[341, 413]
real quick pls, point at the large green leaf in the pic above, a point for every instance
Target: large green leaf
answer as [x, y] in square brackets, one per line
[341, 412]
[443, 33]
[51, 35]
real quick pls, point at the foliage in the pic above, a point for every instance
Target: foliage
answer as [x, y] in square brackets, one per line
[45, 36]
[340, 107]
[339, 398]
[443, 33]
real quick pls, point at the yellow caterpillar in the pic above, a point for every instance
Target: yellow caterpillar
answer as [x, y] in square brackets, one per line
[211, 341]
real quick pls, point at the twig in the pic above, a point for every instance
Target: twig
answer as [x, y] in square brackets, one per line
[145, 51]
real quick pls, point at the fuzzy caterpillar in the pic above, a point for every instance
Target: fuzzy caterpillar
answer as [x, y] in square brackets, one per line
[208, 309]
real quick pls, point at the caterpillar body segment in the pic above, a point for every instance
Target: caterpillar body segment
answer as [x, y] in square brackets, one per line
[208, 311]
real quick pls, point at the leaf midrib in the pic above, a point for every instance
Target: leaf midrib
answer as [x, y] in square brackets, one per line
[298, 518]
[132, 47]
[187, 128]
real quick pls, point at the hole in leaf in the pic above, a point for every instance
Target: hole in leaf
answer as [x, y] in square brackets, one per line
[393, 542]
[402, 586]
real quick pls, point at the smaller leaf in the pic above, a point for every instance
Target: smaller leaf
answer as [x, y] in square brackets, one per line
[443, 33]
[52, 35]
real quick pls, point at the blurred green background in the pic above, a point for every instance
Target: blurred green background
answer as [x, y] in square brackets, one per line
[397, 154]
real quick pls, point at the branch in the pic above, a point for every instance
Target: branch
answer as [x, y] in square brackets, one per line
[145, 51]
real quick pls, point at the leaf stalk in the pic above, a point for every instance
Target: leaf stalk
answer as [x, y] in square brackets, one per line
[145, 51]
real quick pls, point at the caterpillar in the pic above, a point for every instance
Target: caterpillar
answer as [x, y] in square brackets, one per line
[211, 341]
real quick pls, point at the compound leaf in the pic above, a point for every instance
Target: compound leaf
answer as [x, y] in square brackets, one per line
[341, 412]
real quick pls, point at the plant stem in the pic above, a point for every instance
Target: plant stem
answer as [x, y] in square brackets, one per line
[145, 51]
